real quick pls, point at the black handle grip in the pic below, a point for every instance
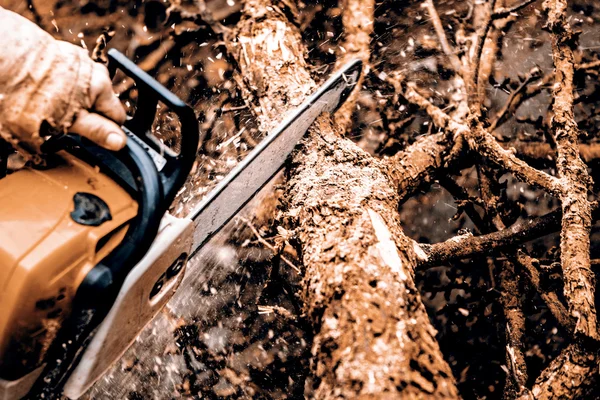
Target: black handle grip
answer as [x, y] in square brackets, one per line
[150, 92]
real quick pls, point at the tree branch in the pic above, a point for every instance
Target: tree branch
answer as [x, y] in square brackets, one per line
[576, 221]
[485, 144]
[441, 34]
[358, 281]
[510, 288]
[466, 246]
[532, 76]
[571, 375]
[358, 22]
[556, 307]
[543, 151]
[472, 75]
[504, 12]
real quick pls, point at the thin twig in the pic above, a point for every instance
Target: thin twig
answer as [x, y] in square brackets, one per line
[441, 33]
[532, 76]
[472, 81]
[532, 90]
[268, 245]
[465, 202]
[506, 11]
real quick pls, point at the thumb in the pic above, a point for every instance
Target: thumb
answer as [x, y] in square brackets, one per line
[99, 130]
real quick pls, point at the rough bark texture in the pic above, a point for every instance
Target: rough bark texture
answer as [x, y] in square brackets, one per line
[515, 330]
[484, 143]
[529, 267]
[467, 245]
[373, 336]
[576, 221]
[570, 187]
[414, 166]
[543, 151]
[273, 73]
[568, 376]
[357, 19]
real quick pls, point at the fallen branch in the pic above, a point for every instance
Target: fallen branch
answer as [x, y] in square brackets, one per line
[577, 216]
[557, 309]
[467, 246]
[464, 202]
[441, 34]
[510, 299]
[471, 75]
[504, 12]
[534, 87]
[500, 117]
[416, 165]
[571, 375]
[486, 145]
[543, 152]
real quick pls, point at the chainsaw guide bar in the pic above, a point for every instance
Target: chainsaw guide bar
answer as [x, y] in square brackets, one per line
[268, 157]
[104, 256]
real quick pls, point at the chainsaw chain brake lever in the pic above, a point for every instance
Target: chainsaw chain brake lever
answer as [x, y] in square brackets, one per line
[173, 168]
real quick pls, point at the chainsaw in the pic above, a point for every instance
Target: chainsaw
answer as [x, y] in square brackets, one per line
[88, 252]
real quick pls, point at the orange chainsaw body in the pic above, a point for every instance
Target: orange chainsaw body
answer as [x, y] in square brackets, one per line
[45, 253]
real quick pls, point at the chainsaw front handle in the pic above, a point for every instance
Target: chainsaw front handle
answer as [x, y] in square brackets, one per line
[174, 172]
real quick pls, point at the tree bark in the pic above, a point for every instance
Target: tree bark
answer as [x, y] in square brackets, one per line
[577, 211]
[373, 335]
[570, 375]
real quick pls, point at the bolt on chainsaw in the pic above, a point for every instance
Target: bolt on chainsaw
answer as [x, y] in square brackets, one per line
[88, 252]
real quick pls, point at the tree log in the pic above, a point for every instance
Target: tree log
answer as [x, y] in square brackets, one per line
[373, 337]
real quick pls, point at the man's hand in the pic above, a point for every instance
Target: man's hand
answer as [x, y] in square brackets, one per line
[92, 125]
[46, 82]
